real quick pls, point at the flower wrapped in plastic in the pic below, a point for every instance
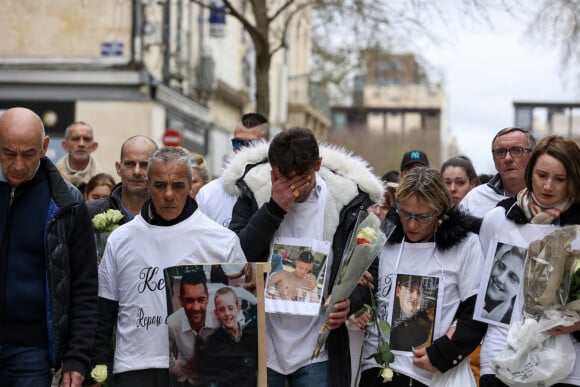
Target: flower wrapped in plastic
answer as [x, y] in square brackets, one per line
[551, 299]
[363, 247]
[552, 279]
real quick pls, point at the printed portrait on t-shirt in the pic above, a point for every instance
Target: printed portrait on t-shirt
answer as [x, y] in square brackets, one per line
[413, 311]
[212, 325]
[503, 279]
[295, 285]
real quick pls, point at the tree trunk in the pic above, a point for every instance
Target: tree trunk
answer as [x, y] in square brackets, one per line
[262, 73]
[261, 39]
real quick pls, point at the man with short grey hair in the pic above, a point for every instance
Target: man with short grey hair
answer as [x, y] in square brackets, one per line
[78, 165]
[511, 148]
[168, 231]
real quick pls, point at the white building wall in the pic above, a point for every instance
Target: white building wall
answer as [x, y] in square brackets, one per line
[113, 122]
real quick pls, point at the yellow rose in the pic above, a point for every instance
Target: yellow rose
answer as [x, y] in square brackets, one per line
[386, 374]
[99, 373]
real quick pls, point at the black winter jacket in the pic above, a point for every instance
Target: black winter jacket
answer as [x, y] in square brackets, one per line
[71, 273]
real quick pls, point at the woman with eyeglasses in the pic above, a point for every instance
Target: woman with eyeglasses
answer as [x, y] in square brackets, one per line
[432, 241]
[551, 199]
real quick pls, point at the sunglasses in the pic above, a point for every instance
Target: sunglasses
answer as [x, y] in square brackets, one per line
[239, 144]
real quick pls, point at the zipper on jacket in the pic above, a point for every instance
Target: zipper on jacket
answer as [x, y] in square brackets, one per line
[11, 197]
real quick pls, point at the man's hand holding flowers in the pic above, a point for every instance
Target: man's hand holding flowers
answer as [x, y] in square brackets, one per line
[340, 313]
[360, 252]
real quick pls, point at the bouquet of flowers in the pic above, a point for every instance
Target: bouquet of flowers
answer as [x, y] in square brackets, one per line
[104, 223]
[552, 279]
[363, 247]
[551, 299]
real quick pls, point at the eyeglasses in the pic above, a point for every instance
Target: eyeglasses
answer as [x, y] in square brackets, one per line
[418, 218]
[515, 151]
[239, 144]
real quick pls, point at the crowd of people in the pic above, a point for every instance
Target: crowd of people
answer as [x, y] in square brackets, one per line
[66, 304]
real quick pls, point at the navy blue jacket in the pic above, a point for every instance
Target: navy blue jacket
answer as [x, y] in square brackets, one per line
[69, 283]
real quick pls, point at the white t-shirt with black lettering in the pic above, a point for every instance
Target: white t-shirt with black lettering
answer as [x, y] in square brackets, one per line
[131, 273]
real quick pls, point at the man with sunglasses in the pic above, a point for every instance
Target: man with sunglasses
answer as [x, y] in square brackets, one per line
[211, 199]
[511, 148]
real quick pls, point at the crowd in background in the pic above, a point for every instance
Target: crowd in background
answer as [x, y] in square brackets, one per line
[446, 220]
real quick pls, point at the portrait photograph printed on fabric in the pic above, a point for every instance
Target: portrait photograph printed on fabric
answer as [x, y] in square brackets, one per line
[503, 275]
[297, 279]
[212, 325]
[413, 309]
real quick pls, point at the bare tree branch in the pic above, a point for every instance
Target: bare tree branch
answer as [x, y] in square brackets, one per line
[282, 39]
[284, 6]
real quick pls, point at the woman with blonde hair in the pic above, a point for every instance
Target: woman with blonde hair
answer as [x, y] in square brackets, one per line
[200, 173]
[433, 243]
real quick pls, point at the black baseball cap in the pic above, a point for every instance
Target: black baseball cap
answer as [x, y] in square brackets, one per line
[414, 157]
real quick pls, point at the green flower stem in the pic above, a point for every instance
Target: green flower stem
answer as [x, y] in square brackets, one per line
[360, 358]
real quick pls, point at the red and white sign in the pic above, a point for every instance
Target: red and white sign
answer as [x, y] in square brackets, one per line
[172, 137]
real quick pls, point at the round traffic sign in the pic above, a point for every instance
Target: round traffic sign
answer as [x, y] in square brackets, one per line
[172, 137]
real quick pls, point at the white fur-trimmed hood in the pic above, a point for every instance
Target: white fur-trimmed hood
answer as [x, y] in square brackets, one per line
[339, 166]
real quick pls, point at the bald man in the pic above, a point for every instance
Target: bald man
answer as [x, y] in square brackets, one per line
[131, 193]
[48, 272]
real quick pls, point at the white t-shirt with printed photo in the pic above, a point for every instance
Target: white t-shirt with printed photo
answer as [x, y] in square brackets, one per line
[457, 270]
[131, 273]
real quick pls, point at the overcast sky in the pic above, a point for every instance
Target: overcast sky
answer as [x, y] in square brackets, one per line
[486, 70]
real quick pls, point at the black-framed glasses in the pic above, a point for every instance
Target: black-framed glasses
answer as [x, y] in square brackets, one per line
[419, 218]
[515, 151]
